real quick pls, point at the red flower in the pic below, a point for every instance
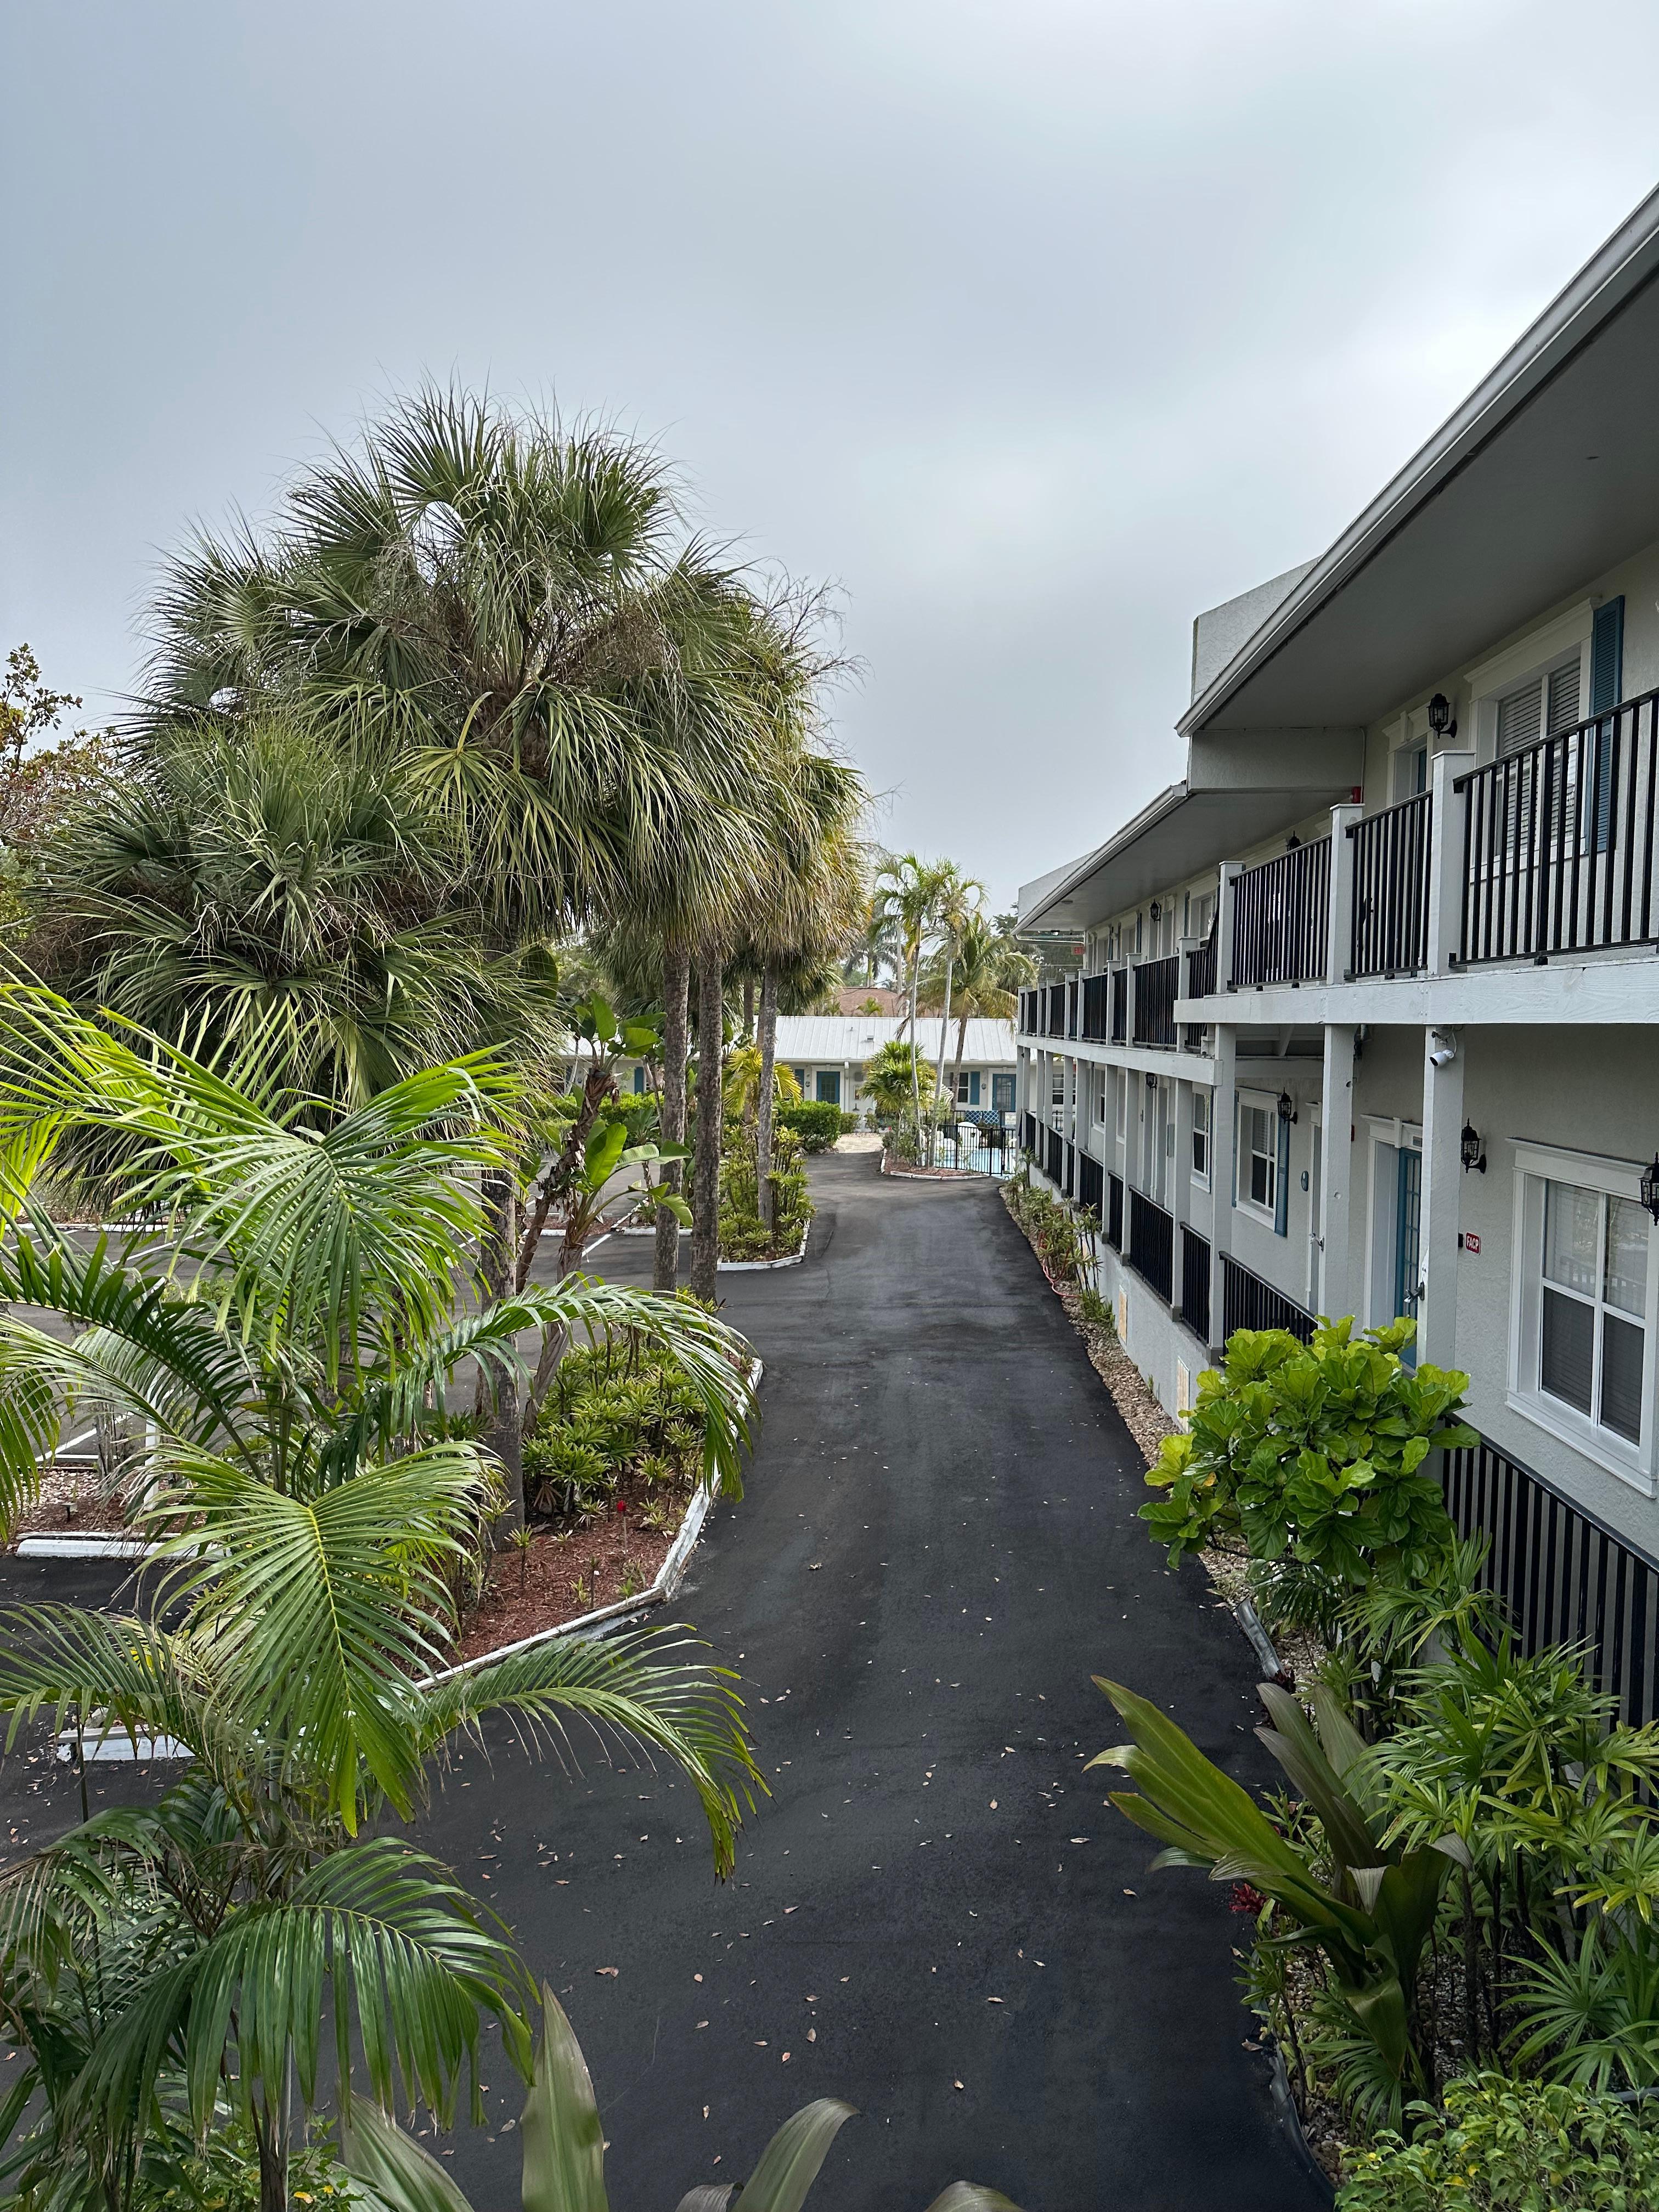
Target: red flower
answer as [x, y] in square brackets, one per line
[1246, 1897]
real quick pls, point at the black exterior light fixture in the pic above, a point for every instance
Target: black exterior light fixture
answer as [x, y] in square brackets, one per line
[1650, 1187]
[1286, 1107]
[1440, 716]
[1475, 1158]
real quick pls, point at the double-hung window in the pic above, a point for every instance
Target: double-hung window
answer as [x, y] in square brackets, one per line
[1581, 1362]
[1258, 1156]
[1057, 1080]
[1200, 1134]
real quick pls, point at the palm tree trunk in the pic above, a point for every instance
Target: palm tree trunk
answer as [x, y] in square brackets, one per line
[944, 1024]
[499, 1404]
[961, 1050]
[766, 1105]
[916, 1073]
[706, 1179]
[676, 989]
[749, 1010]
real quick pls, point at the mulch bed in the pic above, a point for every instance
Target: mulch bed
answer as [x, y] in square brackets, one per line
[568, 1570]
[71, 1503]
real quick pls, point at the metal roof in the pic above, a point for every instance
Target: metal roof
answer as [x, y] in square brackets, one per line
[839, 1038]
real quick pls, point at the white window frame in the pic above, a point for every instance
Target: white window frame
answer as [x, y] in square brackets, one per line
[1121, 1080]
[1535, 1166]
[1261, 1100]
[1205, 1135]
[1524, 663]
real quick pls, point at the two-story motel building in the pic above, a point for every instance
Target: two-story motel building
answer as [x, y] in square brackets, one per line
[1366, 1018]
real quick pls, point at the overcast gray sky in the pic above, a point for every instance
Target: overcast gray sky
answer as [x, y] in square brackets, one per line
[1034, 327]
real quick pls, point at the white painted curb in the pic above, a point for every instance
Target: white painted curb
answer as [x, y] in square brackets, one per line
[751, 1267]
[83, 1548]
[114, 1744]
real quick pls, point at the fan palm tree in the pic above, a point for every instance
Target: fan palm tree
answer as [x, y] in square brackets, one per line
[960, 900]
[268, 881]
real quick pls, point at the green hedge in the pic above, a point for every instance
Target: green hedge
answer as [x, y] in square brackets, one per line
[816, 1122]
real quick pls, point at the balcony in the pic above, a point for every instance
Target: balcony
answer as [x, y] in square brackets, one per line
[1115, 1211]
[1096, 1007]
[1558, 841]
[1281, 918]
[1157, 985]
[1120, 1005]
[1389, 853]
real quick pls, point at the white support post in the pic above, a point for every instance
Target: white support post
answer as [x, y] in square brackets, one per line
[1443, 1175]
[1230, 872]
[1181, 1179]
[1446, 864]
[1222, 1142]
[1336, 1274]
[1339, 944]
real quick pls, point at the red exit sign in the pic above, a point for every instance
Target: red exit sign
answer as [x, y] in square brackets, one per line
[1471, 1241]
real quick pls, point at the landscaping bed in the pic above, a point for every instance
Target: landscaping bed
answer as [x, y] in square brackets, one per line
[565, 1572]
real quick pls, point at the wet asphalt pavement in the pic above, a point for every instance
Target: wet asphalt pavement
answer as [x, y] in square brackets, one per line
[934, 1915]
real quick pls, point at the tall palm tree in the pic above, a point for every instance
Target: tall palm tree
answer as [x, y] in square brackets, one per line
[988, 971]
[908, 891]
[960, 900]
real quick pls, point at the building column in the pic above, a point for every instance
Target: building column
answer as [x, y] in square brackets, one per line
[1339, 947]
[1336, 1271]
[1443, 1176]
[1224, 1141]
[1445, 870]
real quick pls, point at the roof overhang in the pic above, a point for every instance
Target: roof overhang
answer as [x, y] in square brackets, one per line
[1180, 835]
[1547, 474]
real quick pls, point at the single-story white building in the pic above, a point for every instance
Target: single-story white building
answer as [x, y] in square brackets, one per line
[827, 1054]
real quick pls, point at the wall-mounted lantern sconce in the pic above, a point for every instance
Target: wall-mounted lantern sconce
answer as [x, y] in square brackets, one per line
[1286, 1107]
[1650, 1187]
[1440, 716]
[1473, 1156]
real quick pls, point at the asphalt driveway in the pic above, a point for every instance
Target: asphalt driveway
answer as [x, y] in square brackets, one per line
[935, 1916]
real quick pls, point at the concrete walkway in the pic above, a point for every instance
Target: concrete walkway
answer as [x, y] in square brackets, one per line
[935, 1916]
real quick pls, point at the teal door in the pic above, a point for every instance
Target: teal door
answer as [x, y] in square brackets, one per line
[1407, 1253]
[829, 1086]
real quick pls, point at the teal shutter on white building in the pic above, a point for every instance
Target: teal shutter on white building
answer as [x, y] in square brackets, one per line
[1282, 1182]
[1607, 682]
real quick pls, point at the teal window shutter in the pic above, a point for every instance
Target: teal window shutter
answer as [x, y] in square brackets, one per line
[1607, 682]
[1282, 1182]
[1608, 656]
[973, 1086]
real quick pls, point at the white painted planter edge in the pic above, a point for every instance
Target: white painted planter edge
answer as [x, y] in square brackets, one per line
[115, 1745]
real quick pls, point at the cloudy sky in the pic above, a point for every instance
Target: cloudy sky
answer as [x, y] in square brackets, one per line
[1034, 327]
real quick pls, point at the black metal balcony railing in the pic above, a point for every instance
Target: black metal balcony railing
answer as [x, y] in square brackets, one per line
[1195, 1283]
[1200, 984]
[1055, 1011]
[1054, 1163]
[1115, 1211]
[1151, 1243]
[1559, 841]
[1248, 1302]
[1096, 1006]
[1157, 985]
[1120, 1005]
[1563, 1576]
[1091, 1184]
[1390, 935]
[1201, 968]
[1028, 1012]
[1029, 1135]
[1073, 1005]
[1280, 915]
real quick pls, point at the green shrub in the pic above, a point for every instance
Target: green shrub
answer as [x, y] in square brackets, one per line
[1313, 1452]
[816, 1122]
[1508, 2145]
[1095, 1310]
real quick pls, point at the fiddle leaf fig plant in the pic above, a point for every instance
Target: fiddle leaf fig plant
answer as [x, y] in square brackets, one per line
[1313, 1451]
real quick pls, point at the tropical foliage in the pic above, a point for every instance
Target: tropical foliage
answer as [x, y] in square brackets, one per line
[563, 2146]
[1314, 1450]
[1502, 2145]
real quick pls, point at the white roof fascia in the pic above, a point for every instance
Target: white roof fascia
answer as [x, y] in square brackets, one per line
[1571, 319]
